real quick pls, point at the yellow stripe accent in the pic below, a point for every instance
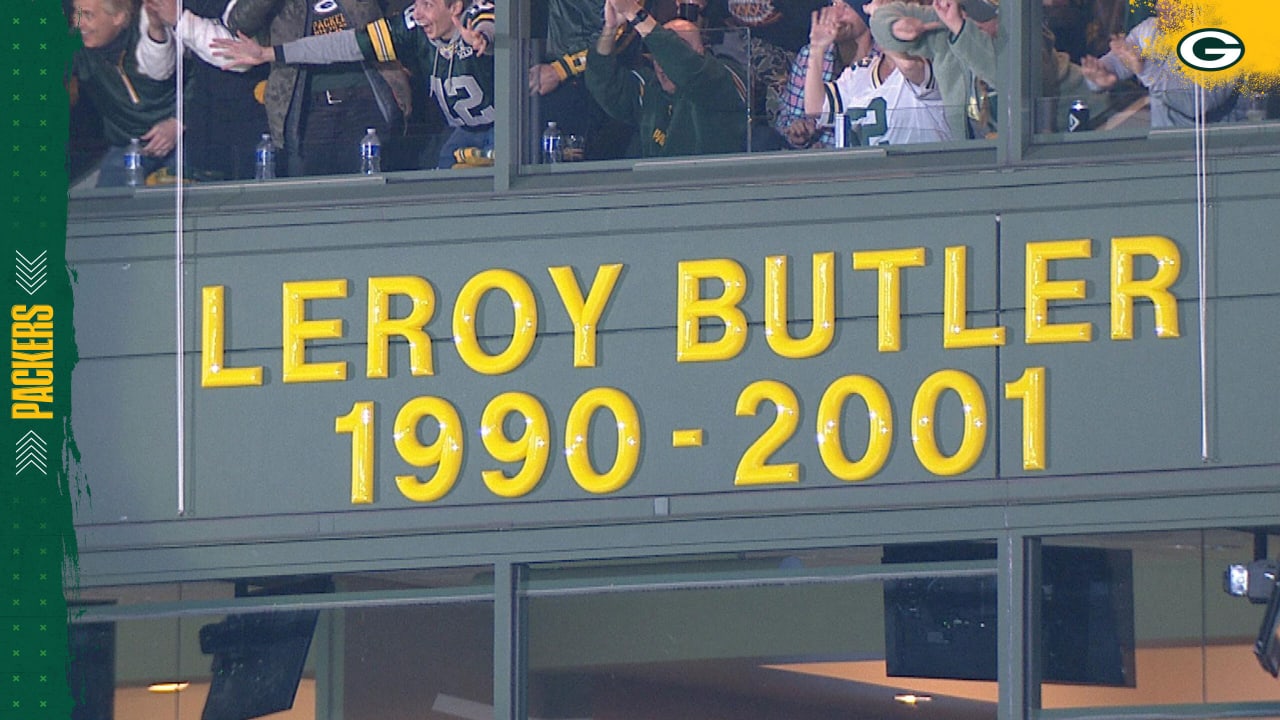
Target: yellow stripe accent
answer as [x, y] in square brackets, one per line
[380, 36]
[834, 101]
[740, 85]
[133, 94]
[577, 62]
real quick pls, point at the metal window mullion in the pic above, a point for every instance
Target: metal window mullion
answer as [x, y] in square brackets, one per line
[239, 606]
[1018, 673]
[725, 581]
[1017, 67]
[510, 646]
[510, 27]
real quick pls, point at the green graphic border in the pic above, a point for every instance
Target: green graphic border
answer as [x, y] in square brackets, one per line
[37, 539]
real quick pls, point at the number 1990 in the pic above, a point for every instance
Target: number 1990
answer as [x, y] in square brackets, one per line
[531, 443]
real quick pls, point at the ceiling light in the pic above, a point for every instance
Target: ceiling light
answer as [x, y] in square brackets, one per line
[167, 687]
[912, 699]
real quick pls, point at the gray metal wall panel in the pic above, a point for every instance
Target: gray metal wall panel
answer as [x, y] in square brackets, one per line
[124, 420]
[125, 307]
[269, 476]
[1244, 412]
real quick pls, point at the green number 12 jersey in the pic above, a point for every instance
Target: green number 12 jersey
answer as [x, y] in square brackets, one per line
[461, 79]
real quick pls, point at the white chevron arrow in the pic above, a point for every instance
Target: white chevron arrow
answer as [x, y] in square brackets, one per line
[31, 451]
[31, 274]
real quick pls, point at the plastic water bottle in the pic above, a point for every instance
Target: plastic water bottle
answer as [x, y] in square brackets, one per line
[135, 174]
[264, 159]
[552, 151]
[370, 153]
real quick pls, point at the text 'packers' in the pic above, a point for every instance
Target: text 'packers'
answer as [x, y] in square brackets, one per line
[31, 374]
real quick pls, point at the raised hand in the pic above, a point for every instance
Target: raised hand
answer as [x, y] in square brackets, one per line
[1128, 53]
[243, 50]
[623, 8]
[822, 30]
[1097, 73]
[166, 11]
[949, 13]
[477, 40]
[871, 6]
[612, 20]
[910, 29]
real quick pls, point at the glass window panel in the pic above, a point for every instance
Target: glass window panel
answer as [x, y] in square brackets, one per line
[1100, 72]
[1193, 643]
[125, 595]
[629, 115]
[362, 654]
[760, 636]
[316, 114]
[771, 58]
[122, 87]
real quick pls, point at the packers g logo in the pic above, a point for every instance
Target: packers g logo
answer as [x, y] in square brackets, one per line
[1210, 49]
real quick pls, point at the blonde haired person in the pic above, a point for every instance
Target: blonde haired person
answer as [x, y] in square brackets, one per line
[126, 68]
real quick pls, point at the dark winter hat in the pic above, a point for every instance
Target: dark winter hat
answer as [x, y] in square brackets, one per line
[857, 6]
[980, 10]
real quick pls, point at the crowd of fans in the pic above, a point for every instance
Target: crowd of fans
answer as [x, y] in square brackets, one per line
[623, 78]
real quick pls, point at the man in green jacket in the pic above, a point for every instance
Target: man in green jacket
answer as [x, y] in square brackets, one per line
[689, 103]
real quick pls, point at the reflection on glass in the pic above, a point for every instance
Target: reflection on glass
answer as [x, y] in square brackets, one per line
[174, 667]
[803, 650]
[1193, 643]
[675, 82]
[426, 658]
[843, 91]
[1100, 56]
[656, 92]
[946, 627]
[423, 78]
[125, 71]
[917, 93]
[961, 49]
[340, 70]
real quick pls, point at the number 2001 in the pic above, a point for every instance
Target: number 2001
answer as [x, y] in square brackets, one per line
[532, 446]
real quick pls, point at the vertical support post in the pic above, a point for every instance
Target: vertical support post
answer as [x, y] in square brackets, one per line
[510, 90]
[1019, 665]
[1018, 62]
[331, 665]
[179, 289]
[1202, 271]
[509, 646]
